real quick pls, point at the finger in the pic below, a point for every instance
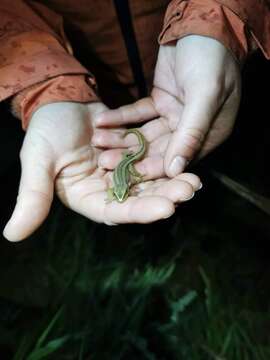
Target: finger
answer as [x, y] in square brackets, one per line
[189, 136]
[155, 129]
[151, 167]
[212, 140]
[175, 189]
[109, 159]
[134, 210]
[222, 127]
[96, 108]
[141, 210]
[114, 138]
[192, 179]
[34, 198]
[189, 178]
[139, 111]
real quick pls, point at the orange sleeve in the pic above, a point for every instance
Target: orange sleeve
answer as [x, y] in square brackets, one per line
[240, 25]
[75, 88]
[37, 66]
[33, 47]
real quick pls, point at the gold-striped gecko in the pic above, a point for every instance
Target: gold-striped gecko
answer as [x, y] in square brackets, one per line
[125, 173]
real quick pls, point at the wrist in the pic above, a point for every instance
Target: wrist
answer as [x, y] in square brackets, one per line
[209, 19]
[212, 49]
[64, 88]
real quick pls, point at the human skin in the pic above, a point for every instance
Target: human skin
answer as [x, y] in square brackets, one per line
[57, 155]
[191, 109]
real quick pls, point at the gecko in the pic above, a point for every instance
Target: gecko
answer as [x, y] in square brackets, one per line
[125, 173]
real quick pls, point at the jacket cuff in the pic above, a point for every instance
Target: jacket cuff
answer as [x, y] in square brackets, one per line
[256, 15]
[32, 57]
[72, 88]
[206, 18]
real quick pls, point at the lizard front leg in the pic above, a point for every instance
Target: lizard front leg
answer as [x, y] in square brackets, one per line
[110, 196]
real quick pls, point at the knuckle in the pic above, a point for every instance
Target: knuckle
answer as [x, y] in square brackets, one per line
[137, 110]
[192, 140]
[122, 114]
[193, 137]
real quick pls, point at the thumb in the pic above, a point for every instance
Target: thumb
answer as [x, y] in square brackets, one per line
[34, 198]
[189, 135]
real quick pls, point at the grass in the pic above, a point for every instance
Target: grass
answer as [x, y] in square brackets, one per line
[125, 293]
[193, 287]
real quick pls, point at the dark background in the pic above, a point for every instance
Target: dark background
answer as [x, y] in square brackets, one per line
[231, 235]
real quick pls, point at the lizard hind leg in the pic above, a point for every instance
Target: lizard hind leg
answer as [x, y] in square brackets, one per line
[136, 177]
[126, 154]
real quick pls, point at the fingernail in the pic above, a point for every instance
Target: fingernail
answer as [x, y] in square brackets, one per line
[201, 185]
[6, 232]
[177, 165]
[167, 216]
[190, 197]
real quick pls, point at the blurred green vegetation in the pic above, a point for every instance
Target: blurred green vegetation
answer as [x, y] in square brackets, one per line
[195, 286]
[185, 288]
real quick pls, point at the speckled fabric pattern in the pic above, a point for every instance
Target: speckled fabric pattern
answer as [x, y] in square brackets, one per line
[206, 18]
[256, 14]
[76, 88]
[241, 26]
[37, 58]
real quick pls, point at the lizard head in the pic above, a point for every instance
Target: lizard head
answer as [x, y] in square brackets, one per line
[121, 192]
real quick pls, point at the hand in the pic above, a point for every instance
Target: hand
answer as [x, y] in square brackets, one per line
[57, 153]
[194, 103]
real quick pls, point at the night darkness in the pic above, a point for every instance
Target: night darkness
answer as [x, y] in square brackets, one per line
[84, 272]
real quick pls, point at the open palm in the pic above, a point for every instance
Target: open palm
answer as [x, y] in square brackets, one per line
[191, 110]
[57, 154]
